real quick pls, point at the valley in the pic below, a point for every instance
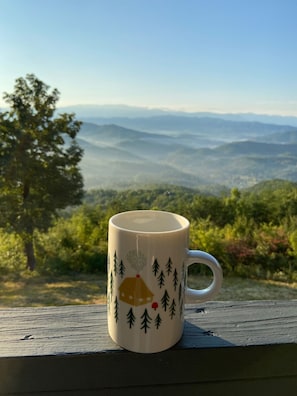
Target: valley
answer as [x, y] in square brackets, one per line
[187, 151]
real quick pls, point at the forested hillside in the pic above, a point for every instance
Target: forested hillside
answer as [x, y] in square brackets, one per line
[186, 151]
[252, 232]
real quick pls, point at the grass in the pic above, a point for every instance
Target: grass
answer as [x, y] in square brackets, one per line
[33, 290]
[30, 290]
[249, 289]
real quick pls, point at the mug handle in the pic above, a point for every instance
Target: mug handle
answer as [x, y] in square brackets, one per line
[200, 257]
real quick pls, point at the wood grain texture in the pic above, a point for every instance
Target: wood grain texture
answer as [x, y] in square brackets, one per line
[248, 346]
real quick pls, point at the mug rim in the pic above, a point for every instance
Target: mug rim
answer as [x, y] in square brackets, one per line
[183, 221]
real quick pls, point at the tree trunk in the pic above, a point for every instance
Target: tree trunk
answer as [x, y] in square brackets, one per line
[28, 239]
[29, 252]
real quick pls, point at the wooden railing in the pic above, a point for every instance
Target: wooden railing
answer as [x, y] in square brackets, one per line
[228, 348]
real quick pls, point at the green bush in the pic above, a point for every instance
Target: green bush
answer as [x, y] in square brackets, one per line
[250, 233]
[76, 244]
[12, 258]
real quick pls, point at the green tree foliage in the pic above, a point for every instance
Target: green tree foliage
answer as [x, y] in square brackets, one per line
[39, 160]
[251, 232]
[12, 259]
[81, 239]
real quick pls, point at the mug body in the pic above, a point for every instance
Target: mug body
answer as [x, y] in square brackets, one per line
[146, 279]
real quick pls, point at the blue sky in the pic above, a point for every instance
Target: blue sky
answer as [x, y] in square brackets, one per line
[195, 55]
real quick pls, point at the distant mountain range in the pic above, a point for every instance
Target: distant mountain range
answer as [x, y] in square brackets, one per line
[124, 111]
[188, 151]
[127, 146]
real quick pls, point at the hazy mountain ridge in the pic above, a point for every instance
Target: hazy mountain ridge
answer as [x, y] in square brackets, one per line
[281, 137]
[212, 128]
[115, 154]
[257, 148]
[118, 110]
[125, 145]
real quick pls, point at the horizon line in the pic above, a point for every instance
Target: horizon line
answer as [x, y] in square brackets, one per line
[172, 109]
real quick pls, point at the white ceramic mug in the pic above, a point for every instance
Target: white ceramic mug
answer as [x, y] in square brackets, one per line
[148, 258]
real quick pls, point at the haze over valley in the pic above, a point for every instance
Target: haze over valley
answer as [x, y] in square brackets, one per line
[126, 146]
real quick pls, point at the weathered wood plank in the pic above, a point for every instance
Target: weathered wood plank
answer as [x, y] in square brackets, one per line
[83, 329]
[66, 350]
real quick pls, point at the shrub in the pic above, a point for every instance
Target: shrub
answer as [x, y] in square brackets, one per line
[12, 258]
[74, 244]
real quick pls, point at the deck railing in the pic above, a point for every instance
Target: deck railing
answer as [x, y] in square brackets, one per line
[228, 348]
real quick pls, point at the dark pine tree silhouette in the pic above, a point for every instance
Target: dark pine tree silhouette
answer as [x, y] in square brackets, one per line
[115, 263]
[116, 309]
[172, 309]
[161, 279]
[165, 300]
[122, 269]
[146, 320]
[111, 283]
[156, 267]
[180, 292]
[169, 266]
[158, 321]
[175, 279]
[181, 307]
[130, 318]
